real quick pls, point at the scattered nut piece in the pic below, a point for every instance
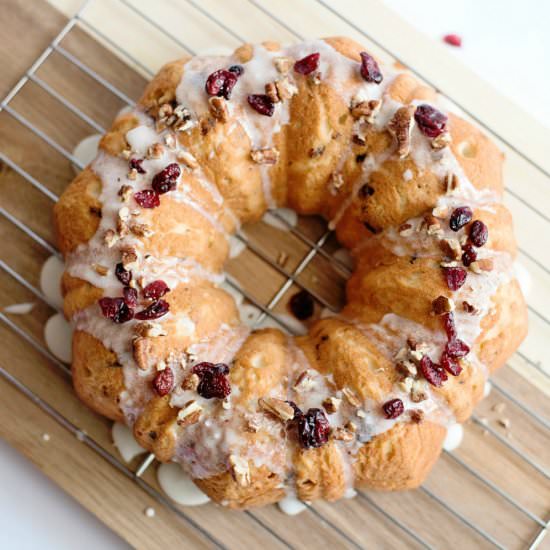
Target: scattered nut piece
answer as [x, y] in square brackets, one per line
[406, 368]
[504, 422]
[469, 308]
[110, 238]
[441, 141]
[240, 470]
[406, 384]
[277, 407]
[252, 425]
[189, 414]
[129, 258]
[331, 404]
[149, 329]
[170, 141]
[341, 434]
[187, 159]
[441, 212]
[350, 426]
[442, 305]
[367, 110]
[161, 365]
[282, 64]
[155, 151]
[304, 382]
[351, 396]
[406, 230]
[265, 156]
[417, 415]
[400, 126]
[451, 248]
[271, 92]
[100, 269]
[418, 391]
[433, 227]
[132, 174]
[285, 88]
[126, 153]
[451, 182]
[141, 229]
[191, 382]
[218, 109]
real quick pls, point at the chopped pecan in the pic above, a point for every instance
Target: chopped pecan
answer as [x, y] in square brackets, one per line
[125, 192]
[149, 329]
[283, 64]
[110, 238]
[265, 156]
[240, 470]
[405, 230]
[141, 229]
[451, 182]
[441, 141]
[129, 258]
[155, 151]
[191, 382]
[189, 414]
[331, 404]
[442, 305]
[451, 248]
[100, 269]
[418, 391]
[400, 126]
[187, 159]
[285, 88]
[271, 92]
[277, 407]
[351, 396]
[341, 434]
[304, 382]
[366, 110]
[416, 415]
[218, 108]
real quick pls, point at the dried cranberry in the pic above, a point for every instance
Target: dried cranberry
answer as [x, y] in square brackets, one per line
[449, 325]
[457, 348]
[479, 233]
[220, 83]
[147, 198]
[460, 217]
[370, 70]
[451, 365]
[313, 428]
[167, 179]
[154, 311]
[123, 275]
[308, 64]
[163, 382]
[130, 296]
[237, 70]
[453, 40]
[302, 305]
[155, 290]
[297, 411]
[136, 164]
[432, 372]
[455, 277]
[213, 380]
[262, 104]
[431, 122]
[116, 309]
[393, 408]
[469, 254]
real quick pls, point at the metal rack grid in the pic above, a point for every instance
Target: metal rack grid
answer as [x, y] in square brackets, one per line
[316, 248]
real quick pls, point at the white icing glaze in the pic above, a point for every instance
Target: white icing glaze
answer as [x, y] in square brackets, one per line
[203, 447]
[86, 150]
[291, 506]
[19, 309]
[178, 486]
[50, 280]
[453, 439]
[271, 217]
[124, 441]
[58, 335]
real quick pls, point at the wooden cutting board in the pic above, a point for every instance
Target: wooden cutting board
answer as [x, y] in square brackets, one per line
[36, 394]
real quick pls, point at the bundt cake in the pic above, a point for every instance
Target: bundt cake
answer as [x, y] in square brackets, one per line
[365, 398]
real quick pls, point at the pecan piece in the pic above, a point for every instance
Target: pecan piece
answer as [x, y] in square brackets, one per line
[400, 126]
[265, 156]
[277, 407]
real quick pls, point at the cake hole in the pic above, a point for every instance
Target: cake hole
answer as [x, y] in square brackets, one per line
[467, 149]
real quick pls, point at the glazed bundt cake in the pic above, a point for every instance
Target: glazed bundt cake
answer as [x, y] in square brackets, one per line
[365, 398]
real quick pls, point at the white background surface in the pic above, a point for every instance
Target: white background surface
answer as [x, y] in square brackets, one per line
[505, 42]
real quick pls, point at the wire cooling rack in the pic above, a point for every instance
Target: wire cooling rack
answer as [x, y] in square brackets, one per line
[494, 491]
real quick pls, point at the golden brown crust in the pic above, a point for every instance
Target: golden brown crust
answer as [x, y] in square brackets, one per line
[315, 150]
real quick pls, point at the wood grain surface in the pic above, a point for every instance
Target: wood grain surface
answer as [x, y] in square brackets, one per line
[88, 466]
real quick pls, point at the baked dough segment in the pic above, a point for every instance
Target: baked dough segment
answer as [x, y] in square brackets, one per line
[316, 149]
